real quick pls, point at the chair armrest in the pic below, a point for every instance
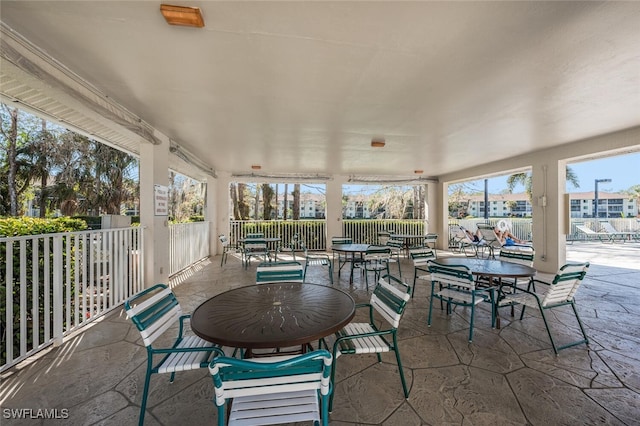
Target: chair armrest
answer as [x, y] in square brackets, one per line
[216, 349]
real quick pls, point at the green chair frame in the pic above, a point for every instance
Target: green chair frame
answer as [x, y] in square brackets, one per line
[376, 259]
[153, 311]
[456, 286]
[226, 248]
[316, 259]
[389, 300]
[274, 390]
[561, 292]
[254, 247]
[397, 247]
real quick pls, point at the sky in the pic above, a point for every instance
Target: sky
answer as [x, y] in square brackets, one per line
[623, 170]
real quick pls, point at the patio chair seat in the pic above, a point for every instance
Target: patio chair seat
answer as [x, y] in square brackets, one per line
[184, 361]
[364, 345]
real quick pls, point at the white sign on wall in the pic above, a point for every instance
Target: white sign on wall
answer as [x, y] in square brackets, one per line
[161, 200]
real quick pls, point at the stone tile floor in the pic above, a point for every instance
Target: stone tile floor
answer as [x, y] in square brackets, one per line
[506, 376]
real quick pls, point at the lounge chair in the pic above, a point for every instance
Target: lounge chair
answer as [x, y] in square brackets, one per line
[615, 234]
[461, 241]
[590, 234]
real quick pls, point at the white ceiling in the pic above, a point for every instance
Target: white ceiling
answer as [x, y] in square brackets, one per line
[303, 87]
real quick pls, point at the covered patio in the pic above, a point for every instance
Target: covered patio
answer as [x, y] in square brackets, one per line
[506, 376]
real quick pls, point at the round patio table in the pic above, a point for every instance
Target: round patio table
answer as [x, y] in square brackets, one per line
[272, 315]
[353, 249]
[492, 269]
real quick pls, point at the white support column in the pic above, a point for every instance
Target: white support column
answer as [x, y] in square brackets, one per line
[547, 189]
[334, 209]
[440, 213]
[154, 170]
[431, 204]
[218, 208]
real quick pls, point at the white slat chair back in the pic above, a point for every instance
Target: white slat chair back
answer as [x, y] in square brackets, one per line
[276, 272]
[565, 284]
[155, 315]
[454, 275]
[389, 302]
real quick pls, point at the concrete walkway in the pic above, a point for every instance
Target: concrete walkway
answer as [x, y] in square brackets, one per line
[506, 376]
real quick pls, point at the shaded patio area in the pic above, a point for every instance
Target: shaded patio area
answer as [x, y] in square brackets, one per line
[506, 376]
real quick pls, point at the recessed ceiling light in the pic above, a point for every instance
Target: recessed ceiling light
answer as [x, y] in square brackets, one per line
[256, 166]
[377, 143]
[182, 15]
[418, 172]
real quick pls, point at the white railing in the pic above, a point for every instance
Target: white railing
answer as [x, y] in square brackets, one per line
[312, 232]
[53, 284]
[365, 231]
[188, 243]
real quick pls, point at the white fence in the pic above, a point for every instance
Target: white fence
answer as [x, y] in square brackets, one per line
[53, 284]
[188, 243]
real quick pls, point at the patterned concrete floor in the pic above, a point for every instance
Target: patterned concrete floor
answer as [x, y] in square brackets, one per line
[506, 376]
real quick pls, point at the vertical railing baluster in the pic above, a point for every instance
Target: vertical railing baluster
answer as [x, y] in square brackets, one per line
[23, 295]
[57, 292]
[9, 298]
[35, 291]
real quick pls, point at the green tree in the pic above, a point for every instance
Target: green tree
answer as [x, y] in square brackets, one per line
[525, 180]
[267, 199]
[633, 193]
[296, 201]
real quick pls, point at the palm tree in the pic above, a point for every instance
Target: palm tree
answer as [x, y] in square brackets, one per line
[633, 193]
[525, 180]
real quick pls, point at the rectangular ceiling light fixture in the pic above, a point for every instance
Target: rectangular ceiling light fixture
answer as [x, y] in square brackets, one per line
[377, 143]
[182, 15]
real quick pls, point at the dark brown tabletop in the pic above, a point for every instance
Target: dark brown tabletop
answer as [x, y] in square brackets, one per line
[273, 315]
[490, 267]
[350, 248]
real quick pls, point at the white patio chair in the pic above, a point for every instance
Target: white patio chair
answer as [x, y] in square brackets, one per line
[274, 390]
[388, 300]
[560, 292]
[153, 311]
[456, 286]
[254, 247]
[226, 248]
[316, 259]
[376, 260]
[421, 257]
[397, 247]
